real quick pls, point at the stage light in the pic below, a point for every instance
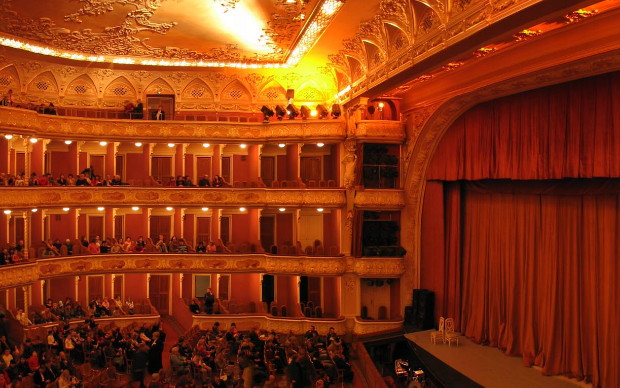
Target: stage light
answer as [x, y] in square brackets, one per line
[267, 113]
[381, 105]
[304, 112]
[68, 142]
[280, 112]
[336, 111]
[292, 111]
[323, 112]
[313, 113]
[371, 109]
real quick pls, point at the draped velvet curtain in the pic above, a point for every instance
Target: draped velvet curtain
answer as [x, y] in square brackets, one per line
[519, 242]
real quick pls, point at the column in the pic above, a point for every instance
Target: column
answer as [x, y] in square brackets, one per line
[216, 160]
[4, 227]
[26, 216]
[179, 159]
[147, 152]
[74, 157]
[254, 159]
[350, 299]
[110, 159]
[108, 222]
[26, 290]
[74, 214]
[215, 223]
[178, 222]
[146, 221]
[5, 154]
[292, 161]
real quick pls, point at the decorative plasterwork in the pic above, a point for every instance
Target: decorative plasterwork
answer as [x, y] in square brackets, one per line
[18, 275]
[20, 121]
[296, 325]
[381, 130]
[148, 32]
[24, 197]
[208, 263]
[377, 198]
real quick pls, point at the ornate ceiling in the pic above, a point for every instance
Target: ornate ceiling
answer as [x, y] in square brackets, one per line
[149, 31]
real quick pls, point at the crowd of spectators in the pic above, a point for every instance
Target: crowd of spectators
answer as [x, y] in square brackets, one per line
[83, 179]
[185, 181]
[7, 100]
[13, 253]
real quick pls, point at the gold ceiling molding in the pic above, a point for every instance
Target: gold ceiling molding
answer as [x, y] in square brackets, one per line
[126, 196]
[291, 29]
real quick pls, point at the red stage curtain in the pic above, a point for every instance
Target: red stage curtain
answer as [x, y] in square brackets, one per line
[570, 130]
[540, 273]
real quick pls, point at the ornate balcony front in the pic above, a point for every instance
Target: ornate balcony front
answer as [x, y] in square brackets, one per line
[24, 197]
[26, 122]
[387, 131]
[22, 274]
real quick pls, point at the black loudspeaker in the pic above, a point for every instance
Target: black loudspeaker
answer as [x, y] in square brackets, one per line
[409, 315]
[423, 307]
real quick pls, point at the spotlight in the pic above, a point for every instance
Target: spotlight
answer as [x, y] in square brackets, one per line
[320, 210]
[381, 105]
[204, 209]
[282, 209]
[323, 112]
[206, 145]
[292, 111]
[267, 113]
[68, 142]
[313, 113]
[101, 208]
[169, 208]
[336, 111]
[280, 112]
[103, 143]
[241, 209]
[320, 144]
[170, 145]
[243, 146]
[281, 145]
[34, 210]
[138, 144]
[66, 209]
[7, 212]
[304, 112]
[8, 137]
[33, 140]
[135, 208]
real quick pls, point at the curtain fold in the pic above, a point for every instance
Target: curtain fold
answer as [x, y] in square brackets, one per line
[539, 276]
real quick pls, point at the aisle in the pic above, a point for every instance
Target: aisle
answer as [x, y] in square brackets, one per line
[172, 335]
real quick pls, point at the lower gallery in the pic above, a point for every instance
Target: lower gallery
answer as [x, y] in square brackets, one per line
[197, 216]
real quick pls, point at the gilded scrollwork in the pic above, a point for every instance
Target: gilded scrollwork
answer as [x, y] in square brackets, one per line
[377, 198]
[384, 130]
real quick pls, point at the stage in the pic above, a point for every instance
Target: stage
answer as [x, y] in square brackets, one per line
[484, 365]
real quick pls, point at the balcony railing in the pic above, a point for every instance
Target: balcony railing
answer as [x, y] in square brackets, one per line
[26, 122]
[29, 272]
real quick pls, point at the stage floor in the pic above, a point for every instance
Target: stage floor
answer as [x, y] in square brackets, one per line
[488, 366]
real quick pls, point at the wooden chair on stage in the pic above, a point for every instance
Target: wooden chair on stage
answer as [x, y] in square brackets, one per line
[439, 334]
[450, 335]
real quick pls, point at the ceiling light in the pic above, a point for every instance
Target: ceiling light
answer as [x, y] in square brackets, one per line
[241, 209]
[320, 144]
[243, 146]
[320, 210]
[135, 208]
[7, 212]
[281, 145]
[138, 144]
[313, 113]
[34, 210]
[33, 140]
[66, 209]
[206, 145]
[103, 143]
[68, 142]
[8, 137]
[101, 208]
[282, 209]
[170, 145]
[204, 209]
[169, 208]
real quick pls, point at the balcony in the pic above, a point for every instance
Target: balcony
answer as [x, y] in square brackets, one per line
[26, 122]
[27, 273]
